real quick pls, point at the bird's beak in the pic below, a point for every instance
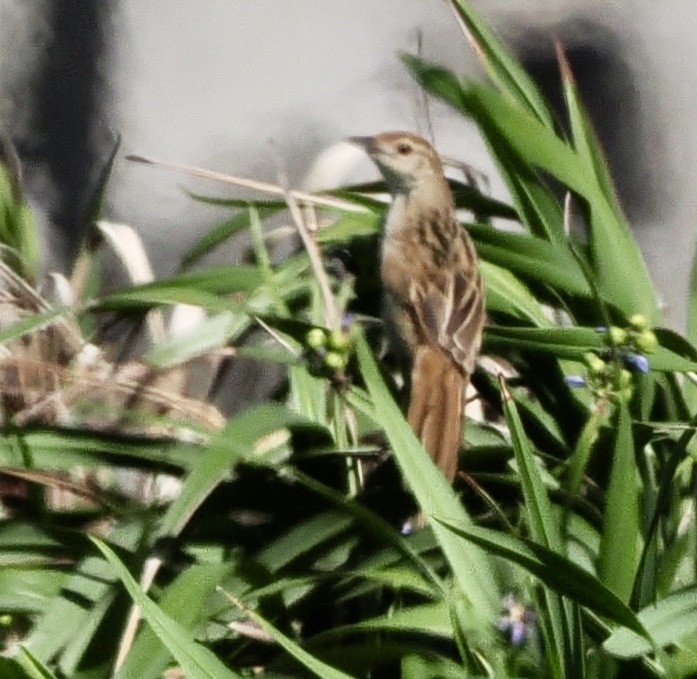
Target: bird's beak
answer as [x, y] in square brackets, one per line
[366, 143]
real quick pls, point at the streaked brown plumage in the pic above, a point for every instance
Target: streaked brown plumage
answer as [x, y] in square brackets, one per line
[433, 289]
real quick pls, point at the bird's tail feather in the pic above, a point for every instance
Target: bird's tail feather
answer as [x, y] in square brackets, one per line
[435, 407]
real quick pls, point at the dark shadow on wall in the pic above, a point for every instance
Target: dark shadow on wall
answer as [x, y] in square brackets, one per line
[71, 136]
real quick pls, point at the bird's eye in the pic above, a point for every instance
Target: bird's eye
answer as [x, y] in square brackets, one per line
[404, 149]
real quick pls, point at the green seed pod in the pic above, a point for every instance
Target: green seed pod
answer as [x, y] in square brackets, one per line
[617, 336]
[335, 361]
[626, 394]
[316, 338]
[595, 364]
[639, 322]
[339, 341]
[625, 378]
[646, 342]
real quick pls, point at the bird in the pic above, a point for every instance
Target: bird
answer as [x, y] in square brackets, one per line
[434, 295]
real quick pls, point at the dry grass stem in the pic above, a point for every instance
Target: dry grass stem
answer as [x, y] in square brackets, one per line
[264, 187]
[312, 249]
[277, 337]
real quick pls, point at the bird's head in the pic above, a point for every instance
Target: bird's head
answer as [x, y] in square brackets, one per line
[405, 160]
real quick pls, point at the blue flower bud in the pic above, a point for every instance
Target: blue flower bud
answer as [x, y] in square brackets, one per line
[637, 362]
[517, 622]
[407, 528]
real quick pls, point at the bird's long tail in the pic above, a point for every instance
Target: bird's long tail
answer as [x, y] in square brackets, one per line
[435, 407]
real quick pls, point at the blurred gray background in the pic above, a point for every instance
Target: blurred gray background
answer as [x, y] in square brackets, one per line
[240, 86]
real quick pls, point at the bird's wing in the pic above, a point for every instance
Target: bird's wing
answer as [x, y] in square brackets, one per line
[449, 307]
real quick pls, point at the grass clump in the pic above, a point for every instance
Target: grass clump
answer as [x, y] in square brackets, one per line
[271, 543]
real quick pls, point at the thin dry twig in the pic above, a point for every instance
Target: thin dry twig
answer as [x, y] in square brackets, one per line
[42, 386]
[423, 102]
[150, 569]
[466, 32]
[53, 480]
[330, 311]
[277, 337]
[300, 219]
[31, 300]
[250, 629]
[264, 187]
[567, 213]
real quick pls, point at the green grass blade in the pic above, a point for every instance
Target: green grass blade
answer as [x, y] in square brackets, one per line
[31, 323]
[92, 633]
[432, 667]
[533, 259]
[314, 665]
[431, 618]
[516, 135]
[63, 450]
[184, 601]
[96, 202]
[18, 231]
[583, 136]
[231, 445]
[555, 571]
[541, 517]
[668, 622]
[376, 525]
[569, 343]
[579, 460]
[544, 530]
[221, 280]
[141, 298]
[207, 335]
[89, 587]
[666, 487]
[29, 575]
[504, 70]
[572, 343]
[222, 233]
[33, 667]
[507, 295]
[618, 263]
[692, 303]
[308, 536]
[471, 569]
[537, 207]
[196, 660]
[534, 143]
[619, 543]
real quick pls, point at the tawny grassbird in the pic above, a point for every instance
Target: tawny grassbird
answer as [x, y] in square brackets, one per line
[434, 294]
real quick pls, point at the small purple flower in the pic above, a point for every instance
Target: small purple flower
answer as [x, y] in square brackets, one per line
[407, 528]
[346, 322]
[636, 362]
[600, 329]
[517, 621]
[575, 381]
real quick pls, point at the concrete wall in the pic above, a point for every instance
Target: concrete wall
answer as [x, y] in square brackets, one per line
[234, 86]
